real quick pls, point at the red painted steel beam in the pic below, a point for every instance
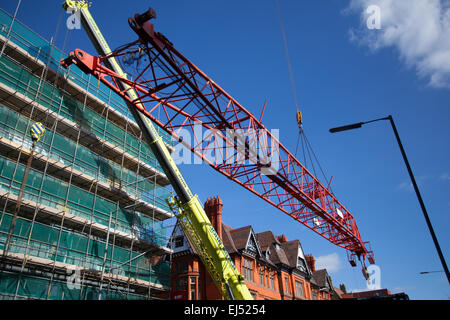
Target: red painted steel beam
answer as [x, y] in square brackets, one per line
[244, 150]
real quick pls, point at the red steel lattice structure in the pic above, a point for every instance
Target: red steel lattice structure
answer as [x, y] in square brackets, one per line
[244, 150]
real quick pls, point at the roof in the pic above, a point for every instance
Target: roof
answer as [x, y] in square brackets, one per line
[291, 251]
[313, 281]
[280, 253]
[268, 241]
[367, 294]
[240, 237]
[320, 277]
[339, 292]
[227, 239]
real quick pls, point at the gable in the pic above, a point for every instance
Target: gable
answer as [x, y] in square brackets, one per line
[179, 241]
[301, 260]
[240, 237]
[252, 245]
[329, 284]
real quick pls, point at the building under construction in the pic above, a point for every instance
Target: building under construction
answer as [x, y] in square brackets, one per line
[83, 212]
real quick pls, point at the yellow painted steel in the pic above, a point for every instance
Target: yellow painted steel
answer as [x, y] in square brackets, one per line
[209, 247]
[299, 119]
[93, 31]
[191, 215]
[37, 130]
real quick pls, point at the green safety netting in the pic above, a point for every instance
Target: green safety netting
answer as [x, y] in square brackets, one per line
[17, 78]
[60, 244]
[38, 288]
[13, 127]
[53, 192]
[77, 249]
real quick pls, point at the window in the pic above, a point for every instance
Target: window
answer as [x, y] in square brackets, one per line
[299, 288]
[179, 242]
[193, 288]
[314, 294]
[181, 267]
[286, 284]
[247, 269]
[267, 279]
[181, 284]
[261, 275]
[301, 265]
[251, 246]
[272, 283]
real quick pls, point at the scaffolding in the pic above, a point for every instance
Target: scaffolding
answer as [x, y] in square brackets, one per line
[93, 208]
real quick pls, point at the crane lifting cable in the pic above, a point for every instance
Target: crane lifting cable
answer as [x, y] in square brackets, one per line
[286, 50]
[301, 134]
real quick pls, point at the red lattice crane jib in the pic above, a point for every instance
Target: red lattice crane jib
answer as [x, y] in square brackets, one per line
[231, 140]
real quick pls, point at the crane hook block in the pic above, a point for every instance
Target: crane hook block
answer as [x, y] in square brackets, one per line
[299, 119]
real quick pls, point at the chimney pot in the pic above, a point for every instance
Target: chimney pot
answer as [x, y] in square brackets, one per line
[213, 209]
[311, 261]
[282, 238]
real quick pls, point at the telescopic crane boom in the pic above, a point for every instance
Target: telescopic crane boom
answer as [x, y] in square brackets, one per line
[186, 206]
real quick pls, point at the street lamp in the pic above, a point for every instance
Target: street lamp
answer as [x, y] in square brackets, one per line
[426, 272]
[413, 180]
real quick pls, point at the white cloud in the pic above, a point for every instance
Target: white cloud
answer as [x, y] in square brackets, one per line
[330, 262]
[357, 290]
[418, 29]
[407, 185]
[403, 289]
[445, 176]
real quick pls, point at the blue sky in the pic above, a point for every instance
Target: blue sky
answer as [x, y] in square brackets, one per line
[344, 73]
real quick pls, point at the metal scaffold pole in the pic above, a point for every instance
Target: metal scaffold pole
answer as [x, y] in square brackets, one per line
[19, 201]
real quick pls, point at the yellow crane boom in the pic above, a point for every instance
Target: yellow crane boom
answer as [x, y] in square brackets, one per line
[186, 206]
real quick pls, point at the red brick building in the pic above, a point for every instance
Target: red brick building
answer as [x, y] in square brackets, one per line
[321, 285]
[273, 267]
[375, 294]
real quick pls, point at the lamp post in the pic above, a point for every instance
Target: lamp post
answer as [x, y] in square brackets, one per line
[413, 180]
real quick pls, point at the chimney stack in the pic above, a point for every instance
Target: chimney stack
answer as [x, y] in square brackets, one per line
[213, 209]
[282, 238]
[311, 261]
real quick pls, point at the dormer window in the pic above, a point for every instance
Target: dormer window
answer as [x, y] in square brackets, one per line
[179, 242]
[267, 254]
[301, 265]
[251, 246]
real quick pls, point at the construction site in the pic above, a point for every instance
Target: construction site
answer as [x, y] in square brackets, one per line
[93, 206]
[94, 196]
